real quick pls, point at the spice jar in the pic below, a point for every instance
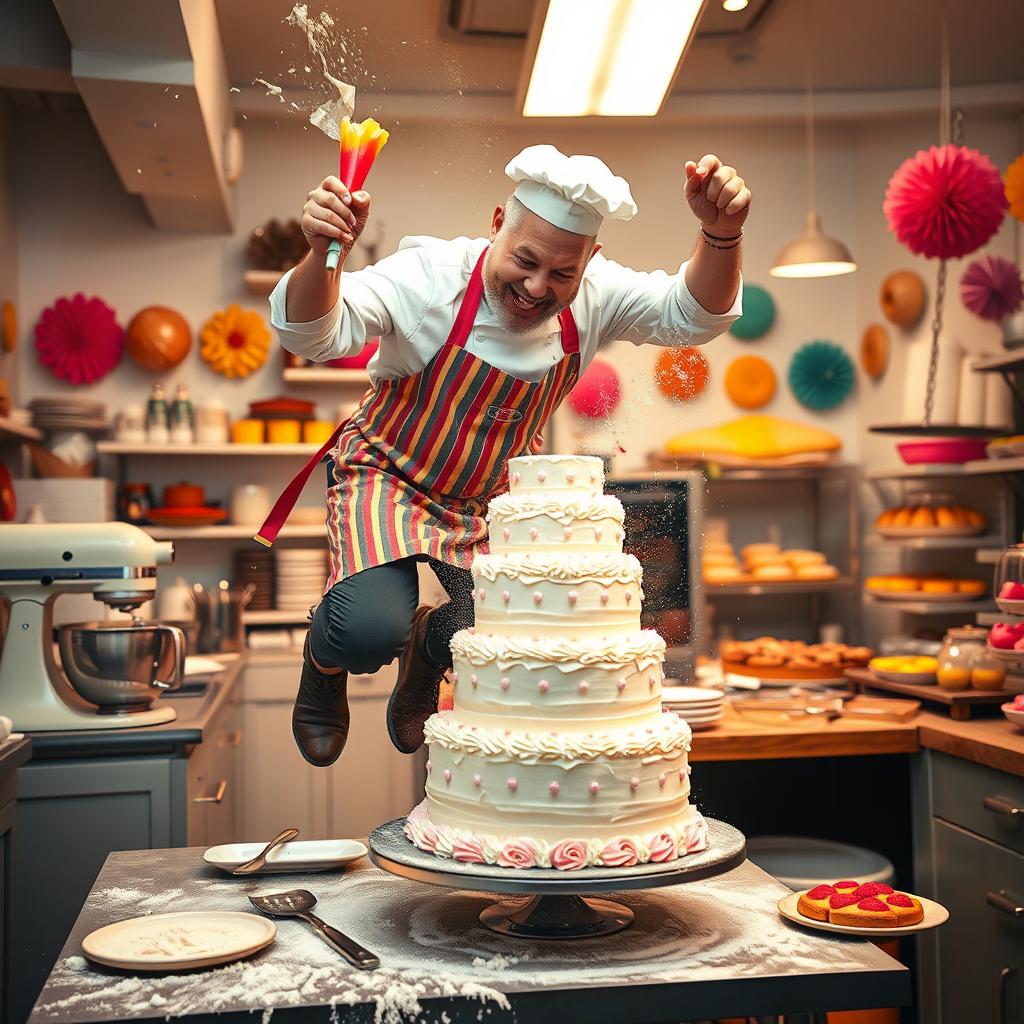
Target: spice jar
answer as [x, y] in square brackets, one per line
[965, 661]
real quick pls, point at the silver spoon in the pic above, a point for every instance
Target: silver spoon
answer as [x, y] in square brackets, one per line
[252, 866]
[299, 903]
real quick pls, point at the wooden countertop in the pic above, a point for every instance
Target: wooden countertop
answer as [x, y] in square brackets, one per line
[990, 741]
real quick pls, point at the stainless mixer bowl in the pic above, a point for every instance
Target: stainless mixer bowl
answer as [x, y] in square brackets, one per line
[118, 666]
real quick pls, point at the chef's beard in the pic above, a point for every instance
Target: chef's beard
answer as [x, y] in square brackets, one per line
[494, 292]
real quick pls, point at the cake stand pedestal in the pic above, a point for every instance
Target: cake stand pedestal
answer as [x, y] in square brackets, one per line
[552, 904]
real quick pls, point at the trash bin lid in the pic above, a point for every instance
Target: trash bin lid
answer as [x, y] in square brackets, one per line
[802, 862]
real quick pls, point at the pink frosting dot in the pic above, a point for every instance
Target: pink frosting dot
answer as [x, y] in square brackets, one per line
[584, 686]
[513, 784]
[474, 679]
[534, 533]
[651, 682]
[598, 533]
[604, 597]
[593, 478]
[429, 766]
[543, 686]
[537, 597]
[566, 533]
[621, 686]
[541, 476]
[554, 787]
[455, 676]
[662, 779]
[505, 682]
[506, 596]
[641, 593]
[573, 597]
[682, 774]
[447, 775]
[570, 478]
[506, 533]
[594, 789]
[634, 783]
[516, 477]
[629, 597]
[483, 593]
[476, 781]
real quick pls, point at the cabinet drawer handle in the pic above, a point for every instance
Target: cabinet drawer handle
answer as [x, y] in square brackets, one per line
[232, 740]
[1002, 805]
[1005, 901]
[1004, 975]
[218, 795]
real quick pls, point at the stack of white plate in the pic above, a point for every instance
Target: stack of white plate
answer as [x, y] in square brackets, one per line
[696, 705]
[67, 413]
[299, 577]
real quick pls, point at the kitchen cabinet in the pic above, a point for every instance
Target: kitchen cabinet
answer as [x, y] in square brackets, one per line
[969, 829]
[80, 798]
[13, 754]
[371, 783]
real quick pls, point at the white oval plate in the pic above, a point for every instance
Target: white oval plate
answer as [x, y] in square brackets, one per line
[691, 695]
[1013, 714]
[934, 915]
[1013, 607]
[306, 855]
[197, 665]
[163, 942]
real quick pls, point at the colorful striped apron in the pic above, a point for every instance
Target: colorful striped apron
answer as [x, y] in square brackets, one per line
[417, 462]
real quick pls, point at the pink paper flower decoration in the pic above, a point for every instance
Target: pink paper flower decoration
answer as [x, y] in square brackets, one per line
[79, 339]
[945, 202]
[991, 288]
[597, 393]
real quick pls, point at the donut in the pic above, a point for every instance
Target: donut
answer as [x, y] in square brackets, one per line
[773, 572]
[799, 556]
[817, 572]
[722, 574]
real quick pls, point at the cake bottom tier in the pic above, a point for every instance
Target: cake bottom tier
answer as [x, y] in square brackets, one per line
[684, 833]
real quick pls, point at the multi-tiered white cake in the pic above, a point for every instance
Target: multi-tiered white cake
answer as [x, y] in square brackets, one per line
[557, 752]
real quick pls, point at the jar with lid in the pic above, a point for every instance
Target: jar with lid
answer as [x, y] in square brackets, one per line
[1009, 581]
[965, 661]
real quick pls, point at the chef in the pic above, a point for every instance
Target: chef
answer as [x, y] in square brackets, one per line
[480, 340]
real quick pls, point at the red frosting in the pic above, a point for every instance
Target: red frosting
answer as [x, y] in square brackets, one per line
[847, 884]
[840, 900]
[821, 892]
[873, 889]
[871, 903]
[900, 899]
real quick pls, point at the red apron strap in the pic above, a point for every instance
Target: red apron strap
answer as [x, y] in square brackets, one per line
[470, 303]
[570, 335]
[290, 495]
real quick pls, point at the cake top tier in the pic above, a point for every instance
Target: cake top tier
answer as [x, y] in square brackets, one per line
[568, 474]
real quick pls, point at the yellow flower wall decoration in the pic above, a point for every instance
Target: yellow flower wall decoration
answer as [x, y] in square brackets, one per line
[235, 341]
[1013, 182]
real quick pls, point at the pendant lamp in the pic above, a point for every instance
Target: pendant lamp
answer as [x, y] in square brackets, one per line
[812, 253]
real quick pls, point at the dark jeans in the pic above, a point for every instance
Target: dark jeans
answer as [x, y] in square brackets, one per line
[364, 621]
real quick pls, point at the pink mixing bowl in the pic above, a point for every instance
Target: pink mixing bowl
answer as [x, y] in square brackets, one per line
[943, 449]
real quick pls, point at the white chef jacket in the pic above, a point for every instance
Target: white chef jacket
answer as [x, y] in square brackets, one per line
[410, 299]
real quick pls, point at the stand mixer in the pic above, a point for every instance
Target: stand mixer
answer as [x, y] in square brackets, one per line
[115, 562]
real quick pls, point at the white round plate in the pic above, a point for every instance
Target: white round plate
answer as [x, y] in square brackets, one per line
[688, 712]
[691, 695]
[1012, 607]
[920, 595]
[311, 855]
[1013, 714]
[196, 665]
[901, 532]
[917, 678]
[934, 915]
[164, 942]
[697, 726]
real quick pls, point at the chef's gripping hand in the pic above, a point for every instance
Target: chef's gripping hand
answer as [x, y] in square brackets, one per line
[332, 212]
[717, 195]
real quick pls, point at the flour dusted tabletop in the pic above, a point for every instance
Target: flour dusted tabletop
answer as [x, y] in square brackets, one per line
[706, 949]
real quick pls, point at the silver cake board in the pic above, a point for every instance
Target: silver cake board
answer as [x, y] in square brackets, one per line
[552, 904]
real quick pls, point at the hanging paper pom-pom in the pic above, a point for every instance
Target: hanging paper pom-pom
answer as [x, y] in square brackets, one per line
[235, 341]
[158, 338]
[79, 340]
[597, 393]
[945, 202]
[902, 298]
[821, 375]
[1014, 187]
[681, 373]
[758, 314]
[991, 288]
[874, 351]
[750, 382]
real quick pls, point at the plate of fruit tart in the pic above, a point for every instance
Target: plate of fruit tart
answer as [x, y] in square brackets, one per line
[849, 907]
[905, 668]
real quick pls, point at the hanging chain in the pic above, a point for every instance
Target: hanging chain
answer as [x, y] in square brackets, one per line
[933, 362]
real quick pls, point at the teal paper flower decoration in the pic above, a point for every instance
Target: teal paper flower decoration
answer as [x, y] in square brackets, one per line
[758, 314]
[821, 375]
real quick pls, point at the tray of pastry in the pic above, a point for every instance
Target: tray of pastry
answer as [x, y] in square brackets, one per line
[787, 661]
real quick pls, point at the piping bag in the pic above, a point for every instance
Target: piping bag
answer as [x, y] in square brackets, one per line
[359, 145]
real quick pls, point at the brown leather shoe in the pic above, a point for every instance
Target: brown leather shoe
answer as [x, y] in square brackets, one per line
[414, 698]
[320, 717]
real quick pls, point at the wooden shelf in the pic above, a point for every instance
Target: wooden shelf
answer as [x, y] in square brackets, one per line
[116, 448]
[989, 556]
[275, 618]
[931, 607]
[325, 375]
[959, 702]
[1002, 363]
[768, 589]
[913, 472]
[230, 532]
[262, 282]
[11, 431]
[875, 540]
